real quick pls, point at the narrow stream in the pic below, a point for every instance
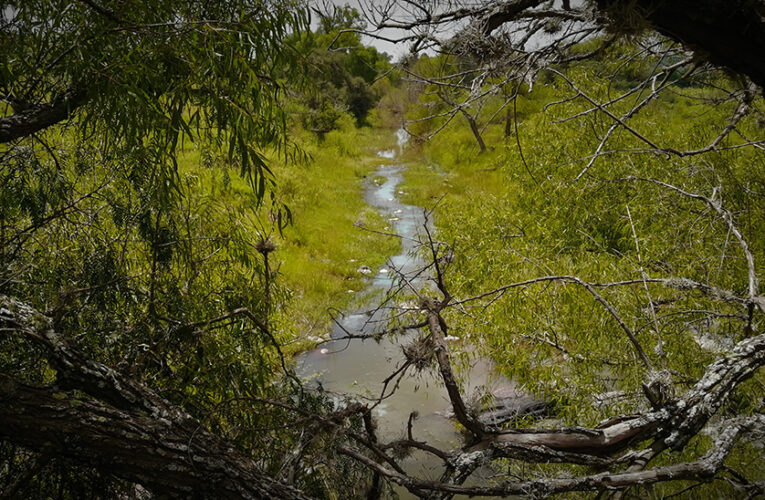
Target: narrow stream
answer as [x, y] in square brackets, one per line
[359, 366]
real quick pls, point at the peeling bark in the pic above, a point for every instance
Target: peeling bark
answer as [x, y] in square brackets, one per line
[704, 468]
[674, 424]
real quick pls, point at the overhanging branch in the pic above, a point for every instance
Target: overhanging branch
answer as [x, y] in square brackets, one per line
[124, 427]
[36, 118]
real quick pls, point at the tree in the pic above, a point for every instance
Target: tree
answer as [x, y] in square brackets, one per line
[444, 96]
[157, 400]
[545, 44]
[515, 40]
[141, 436]
[342, 70]
[101, 228]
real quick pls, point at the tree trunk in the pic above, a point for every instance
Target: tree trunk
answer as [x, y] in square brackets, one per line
[123, 428]
[474, 129]
[730, 33]
[36, 118]
[508, 122]
[177, 459]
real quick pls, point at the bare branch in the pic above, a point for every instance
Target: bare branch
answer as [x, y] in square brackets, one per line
[753, 297]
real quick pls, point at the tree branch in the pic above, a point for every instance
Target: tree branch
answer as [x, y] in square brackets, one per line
[127, 429]
[37, 118]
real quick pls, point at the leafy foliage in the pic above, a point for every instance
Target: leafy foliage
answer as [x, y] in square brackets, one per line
[129, 226]
[153, 76]
[516, 214]
[342, 69]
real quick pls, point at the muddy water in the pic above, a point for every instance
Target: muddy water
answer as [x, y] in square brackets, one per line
[358, 367]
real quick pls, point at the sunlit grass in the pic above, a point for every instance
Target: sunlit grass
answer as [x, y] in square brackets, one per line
[318, 255]
[513, 218]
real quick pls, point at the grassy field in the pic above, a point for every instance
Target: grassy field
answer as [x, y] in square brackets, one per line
[512, 218]
[318, 255]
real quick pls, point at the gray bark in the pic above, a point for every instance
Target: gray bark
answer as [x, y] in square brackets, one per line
[121, 427]
[36, 118]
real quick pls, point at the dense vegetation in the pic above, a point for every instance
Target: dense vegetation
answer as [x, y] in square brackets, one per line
[149, 215]
[181, 194]
[515, 214]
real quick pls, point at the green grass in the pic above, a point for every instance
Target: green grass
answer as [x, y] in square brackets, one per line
[511, 220]
[508, 226]
[318, 255]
